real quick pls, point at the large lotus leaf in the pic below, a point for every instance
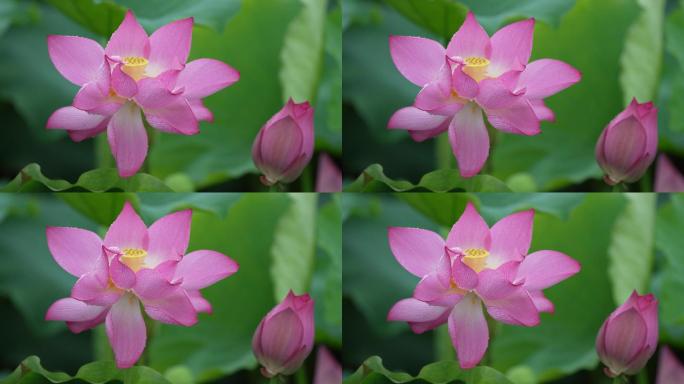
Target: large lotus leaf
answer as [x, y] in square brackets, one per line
[30, 371]
[31, 179]
[373, 179]
[372, 371]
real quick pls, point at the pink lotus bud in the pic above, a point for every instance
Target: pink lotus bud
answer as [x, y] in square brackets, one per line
[670, 370]
[285, 143]
[328, 370]
[628, 144]
[284, 338]
[629, 337]
[329, 176]
[667, 177]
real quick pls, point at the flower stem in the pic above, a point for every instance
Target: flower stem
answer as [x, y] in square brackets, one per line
[493, 139]
[151, 138]
[493, 328]
[151, 327]
[103, 155]
[645, 182]
[444, 155]
[300, 376]
[277, 187]
[621, 187]
[306, 180]
[642, 377]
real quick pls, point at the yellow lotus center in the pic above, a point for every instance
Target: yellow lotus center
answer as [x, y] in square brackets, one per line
[133, 257]
[476, 67]
[475, 258]
[134, 66]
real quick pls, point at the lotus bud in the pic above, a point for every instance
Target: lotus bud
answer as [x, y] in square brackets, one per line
[667, 177]
[328, 370]
[629, 337]
[328, 176]
[285, 144]
[285, 336]
[627, 146]
[670, 370]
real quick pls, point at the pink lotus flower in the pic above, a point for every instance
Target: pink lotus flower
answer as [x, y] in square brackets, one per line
[285, 336]
[667, 177]
[629, 336]
[135, 73]
[476, 75]
[328, 176]
[134, 264]
[628, 145]
[285, 143]
[476, 265]
[670, 370]
[328, 370]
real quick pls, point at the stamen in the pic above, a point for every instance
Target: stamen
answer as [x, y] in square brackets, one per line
[476, 67]
[135, 60]
[476, 61]
[133, 257]
[134, 66]
[476, 258]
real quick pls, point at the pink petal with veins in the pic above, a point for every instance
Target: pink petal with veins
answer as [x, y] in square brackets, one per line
[417, 58]
[70, 309]
[512, 46]
[127, 139]
[202, 268]
[77, 251]
[545, 77]
[126, 331]
[511, 238]
[175, 308]
[468, 331]
[542, 269]
[469, 231]
[127, 231]
[419, 251]
[471, 40]
[170, 46]
[414, 119]
[129, 39]
[169, 238]
[76, 58]
[74, 119]
[469, 140]
[203, 77]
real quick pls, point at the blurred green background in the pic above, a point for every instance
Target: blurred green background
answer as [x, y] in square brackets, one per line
[281, 241]
[623, 48]
[282, 48]
[623, 242]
